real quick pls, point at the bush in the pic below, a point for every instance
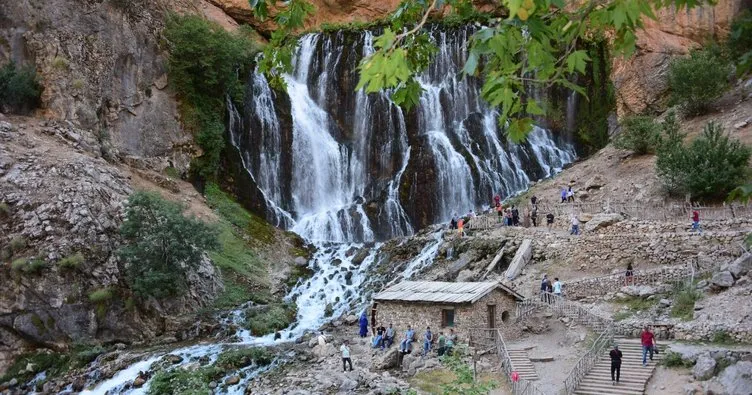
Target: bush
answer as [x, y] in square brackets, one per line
[161, 245]
[19, 89]
[4, 210]
[269, 319]
[28, 266]
[243, 357]
[697, 80]
[674, 360]
[72, 261]
[722, 337]
[17, 244]
[685, 296]
[740, 42]
[102, 295]
[639, 134]
[710, 167]
[205, 64]
[54, 364]
[181, 381]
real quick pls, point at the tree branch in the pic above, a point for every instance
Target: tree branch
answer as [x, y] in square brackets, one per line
[419, 25]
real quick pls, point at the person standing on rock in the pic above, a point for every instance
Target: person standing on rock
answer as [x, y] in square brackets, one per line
[526, 218]
[629, 275]
[615, 355]
[563, 195]
[442, 344]
[499, 213]
[363, 325]
[696, 222]
[557, 287]
[389, 338]
[515, 216]
[534, 216]
[544, 288]
[497, 201]
[648, 342]
[549, 220]
[427, 340]
[570, 195]
[409, 337]
[575, 225]
[461, 227]
[345, 348]
[534, 200]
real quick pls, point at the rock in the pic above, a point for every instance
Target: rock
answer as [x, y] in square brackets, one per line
[13, 382]
[465, 275]
[360, 257]
[408, 359]
[665, 302]
[312, 342]
[300, 261]
[737, 378]
[722, 280]
[388, 360]
[642, 291]
[690, 389]
[326, 350]
[174, 359]
[704, 368]
[139, 382]
[213, 385]
[348, 385]
[232, 380]
[78, 384]
[351, 319]
[741, 266]
[601, 221]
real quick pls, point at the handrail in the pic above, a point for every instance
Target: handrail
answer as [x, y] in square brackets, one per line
[589, 360]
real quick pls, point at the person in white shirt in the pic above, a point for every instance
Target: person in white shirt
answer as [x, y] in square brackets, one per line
[575, 225]
[345, 356]
[557, 287]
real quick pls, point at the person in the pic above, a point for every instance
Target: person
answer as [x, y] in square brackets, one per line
[471, 214]
[345, 348]
[550, 220]
[557, 287]
[534, 216]
[575, 225]
[544, 288]
[450, 342]
[427, 340]
[378, 341]
[499, 213]
[526, 218]
[321, 339]
[629, 275]
[570, 195]
[515, 216]
[534, 200]
[409, 337]
[442, 344]
[461, 227]
[615, 355]
[696, 222]
[563, 195]
[648, 342]
[363, 325]
[509, 217]
[497, 201]
[549, 291]
[388, 338]
[453, 223]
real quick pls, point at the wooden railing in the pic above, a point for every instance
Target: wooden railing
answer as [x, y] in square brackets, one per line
[492, 339]
[590, 359]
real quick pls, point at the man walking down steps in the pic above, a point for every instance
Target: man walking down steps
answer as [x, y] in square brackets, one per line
[615, 355]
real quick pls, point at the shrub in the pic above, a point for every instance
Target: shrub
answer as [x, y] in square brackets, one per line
[180, 381]
[28, 266]
[102, 295]
[697, 80]
[269, 319]
[722, 337]
[19, 89]
[71, 261]
[161, 245]
[4, 210]
[17, 244]
[685, 296]
[204, 65]
[710, 167]
[240, 358]
[54, 364]
[639, 134]
[83, 354]
[740, 42]
[674, 360]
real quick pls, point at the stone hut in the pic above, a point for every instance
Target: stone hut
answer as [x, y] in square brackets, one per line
[446, 305]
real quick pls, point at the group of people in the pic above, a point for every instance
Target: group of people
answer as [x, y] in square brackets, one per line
[548, 288]
[649, 347]
[567, 195]
[510, 216]
[446, 342]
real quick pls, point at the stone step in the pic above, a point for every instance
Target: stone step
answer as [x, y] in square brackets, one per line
[612, 389]
[607, 383]
[598, 375]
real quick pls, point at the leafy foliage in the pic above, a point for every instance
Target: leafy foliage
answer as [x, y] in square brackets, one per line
[28, 265]
[465, 383]
[710, 167]
[242, 357]
[685, 296]
[205, 65]
[673, 359]
[697, 80]
[162, 245]
[740, 42]
[269, 319]
[722, 337]
[639, 134]
[19, 89]
[72, 261]
[182, 381]
[54, 364]
[101, 295]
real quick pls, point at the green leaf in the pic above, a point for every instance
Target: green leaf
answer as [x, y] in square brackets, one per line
[577, 60]
[533, 108]
[407, 95]
[385, 40]
[519, 129]
[471, 64]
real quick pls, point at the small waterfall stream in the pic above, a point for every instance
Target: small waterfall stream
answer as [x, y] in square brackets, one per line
[337, 174]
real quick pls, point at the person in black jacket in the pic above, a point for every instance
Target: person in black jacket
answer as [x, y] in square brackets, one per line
[615, 355]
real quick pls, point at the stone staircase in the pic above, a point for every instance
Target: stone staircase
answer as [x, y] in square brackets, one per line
[634, 376]
[522, 364]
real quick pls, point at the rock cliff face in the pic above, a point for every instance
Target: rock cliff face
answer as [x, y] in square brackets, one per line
[641, 81]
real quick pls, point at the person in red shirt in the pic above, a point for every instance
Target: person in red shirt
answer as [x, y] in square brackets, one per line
[648, 342]
[696, 222]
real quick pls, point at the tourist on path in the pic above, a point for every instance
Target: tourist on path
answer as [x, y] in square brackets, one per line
[549, 220]
[515, 216]
[345, 356]
[534, 216]
[450, 342]
[388, 338]
[615, 355]
[442, 344]
[427, 340]
[534, 200]
[499, 214]
[497, 201]
[461, 227]
[453, 222]
[544, 288]
[696, 222]
[557, 287]
[509, 217]
[363, 325]
[526, 218]
[409, 337]
[563, 195]
[648, 342]
[575, 225]
[629, 275]
[570, 195]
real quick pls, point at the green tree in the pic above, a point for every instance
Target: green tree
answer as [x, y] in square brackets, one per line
[740, 42]
[161, 245]
[670, 159]
[19, 89]
[639, 134]
[534, 47]
[710, 167]
[465, 383]
[697, 80]
[207, 64]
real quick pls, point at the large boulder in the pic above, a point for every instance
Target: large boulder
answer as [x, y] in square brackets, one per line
[741, 266]
[388, 360]
[722, 280]
[602, 220]
[704, 368]
[327, 350]
[737, 379]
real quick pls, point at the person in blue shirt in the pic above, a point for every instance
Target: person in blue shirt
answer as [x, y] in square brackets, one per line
[409, 338]
[557, 287]
[427, 340]
[363, 325]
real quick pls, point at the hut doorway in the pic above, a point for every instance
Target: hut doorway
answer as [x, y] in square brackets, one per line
[491, 315]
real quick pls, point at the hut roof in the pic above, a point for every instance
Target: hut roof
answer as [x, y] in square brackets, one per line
[441, 292]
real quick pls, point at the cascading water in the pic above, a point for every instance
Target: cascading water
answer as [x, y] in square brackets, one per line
[344, 169]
